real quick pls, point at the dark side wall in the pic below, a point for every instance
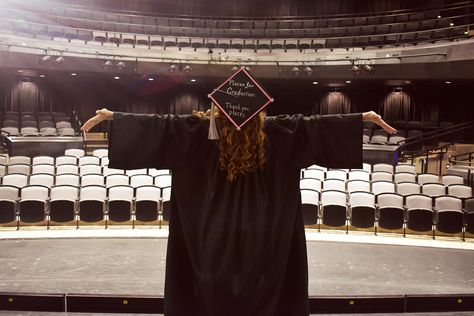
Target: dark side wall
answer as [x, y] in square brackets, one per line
[251, 8]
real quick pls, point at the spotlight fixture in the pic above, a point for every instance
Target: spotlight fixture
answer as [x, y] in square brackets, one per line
[234, 68]
[439, 16]
[46, 58]
[296, 71]
[369, 68]
[58, 61]
[355, 69]
[172, 68]
[248, 68]
[108, 65]
[187, 69]
[120, 65]
[451, 24]
[308, 70]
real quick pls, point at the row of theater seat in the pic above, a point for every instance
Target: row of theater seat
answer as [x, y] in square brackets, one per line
[388, 197]
[393, 212]
[40, 124]
[62, 204]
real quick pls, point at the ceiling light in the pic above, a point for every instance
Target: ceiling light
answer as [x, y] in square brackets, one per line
[73, 74]
[193, 80]
[407, 81]
[466, 32]
[451, 24]
[151, 79]
[315, 82]
[116, 77]
[20, 71]
[42, 76]
[447, 82]
[248, 68]
[172, 68]
[46, 58]
[439, 16]
[348, 81]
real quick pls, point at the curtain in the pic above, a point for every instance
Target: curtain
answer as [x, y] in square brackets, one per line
[26, 97]
[335, 103]
[398, 106]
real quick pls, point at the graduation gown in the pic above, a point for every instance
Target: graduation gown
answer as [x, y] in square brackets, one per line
[235, 248]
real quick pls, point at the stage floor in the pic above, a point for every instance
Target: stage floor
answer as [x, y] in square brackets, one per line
[132, 262]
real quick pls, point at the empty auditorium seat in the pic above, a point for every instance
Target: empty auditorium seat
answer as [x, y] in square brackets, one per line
[391, 211]
[120, 203]
[449, 214]
[333, 208]
[147, 201]
[362, 209]
[63, 203]
[420, 214]
[309, 206]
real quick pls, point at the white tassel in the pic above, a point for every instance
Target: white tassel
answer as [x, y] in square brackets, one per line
[212, 124]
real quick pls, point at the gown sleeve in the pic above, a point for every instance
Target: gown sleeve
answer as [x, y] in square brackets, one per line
[152, 141]
[333, 141]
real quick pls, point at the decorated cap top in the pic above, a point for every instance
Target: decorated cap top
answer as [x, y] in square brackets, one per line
[240, 97]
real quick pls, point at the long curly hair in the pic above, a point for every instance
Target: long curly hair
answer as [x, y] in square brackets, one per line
[240, 152]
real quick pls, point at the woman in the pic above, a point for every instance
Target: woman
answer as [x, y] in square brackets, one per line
[236, 241]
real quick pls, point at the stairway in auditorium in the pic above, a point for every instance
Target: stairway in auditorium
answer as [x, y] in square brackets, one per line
[95, 141]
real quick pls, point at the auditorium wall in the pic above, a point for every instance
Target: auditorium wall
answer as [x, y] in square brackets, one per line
[429, 102]
[249, 8]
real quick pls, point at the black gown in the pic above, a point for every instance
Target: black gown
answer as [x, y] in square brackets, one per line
[235, 248]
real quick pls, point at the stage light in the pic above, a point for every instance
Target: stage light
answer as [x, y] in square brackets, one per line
[59, 60]
[451, 24]
[234, 68]
[355, 69]
[439, 16]
[120, 65]
[315, 82]
[447, 82]
[151, 79]
[348, 81]
[42, 76]
[192, 80]
[296, 71]
[116, 77]
[108, 64]
[46, 58]
[370, 69]
[73, 74]
[308, 70]
[187, 69]
[172, 68]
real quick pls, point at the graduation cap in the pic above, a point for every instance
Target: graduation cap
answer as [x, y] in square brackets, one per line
[240, 98]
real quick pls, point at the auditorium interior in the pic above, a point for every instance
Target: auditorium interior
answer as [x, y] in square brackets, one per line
[393, 237]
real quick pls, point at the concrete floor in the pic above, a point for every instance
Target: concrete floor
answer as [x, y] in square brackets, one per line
[136, 266]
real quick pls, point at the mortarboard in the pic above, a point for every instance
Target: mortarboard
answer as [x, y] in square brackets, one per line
[239, 98]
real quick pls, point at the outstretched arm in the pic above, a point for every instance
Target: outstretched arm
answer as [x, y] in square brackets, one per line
[101, 115]
[371, 116]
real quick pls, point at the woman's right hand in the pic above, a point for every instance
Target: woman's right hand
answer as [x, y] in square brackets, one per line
[101, 115]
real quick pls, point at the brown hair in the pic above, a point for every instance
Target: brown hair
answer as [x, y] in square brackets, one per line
[240, 152]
